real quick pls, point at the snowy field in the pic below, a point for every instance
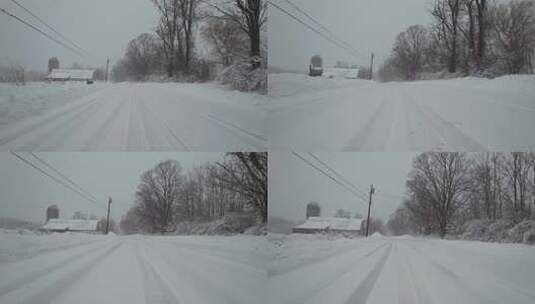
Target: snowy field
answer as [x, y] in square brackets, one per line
[317, 269]
[80, 268]
[135, 116]
[338, 114]
[19, 102]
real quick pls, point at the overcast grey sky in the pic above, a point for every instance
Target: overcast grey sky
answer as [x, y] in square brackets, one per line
[293, 183]
[367, 25]
[26, 193]
[102, 27]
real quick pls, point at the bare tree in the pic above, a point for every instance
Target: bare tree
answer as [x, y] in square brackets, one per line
[250, 15]
[514, 32]
[169, 29]
[158, 194]
[446, 14]
[228, 42]
[409, 52]
[440, 180]
[140, 55]
[188, 16]
[247, 175]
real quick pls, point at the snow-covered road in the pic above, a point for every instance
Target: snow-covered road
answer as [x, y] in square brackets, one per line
[313, 269]
[138, 269]
[442, 115]
[146, 116]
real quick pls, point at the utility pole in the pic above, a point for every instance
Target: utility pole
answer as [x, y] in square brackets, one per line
[107, 68]
[372, 191]
[108, 217]
[371, 66]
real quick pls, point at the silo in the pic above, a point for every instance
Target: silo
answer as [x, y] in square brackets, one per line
[52, 212]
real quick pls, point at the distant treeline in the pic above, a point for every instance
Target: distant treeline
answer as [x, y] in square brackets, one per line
[466, 37]
[168, 196]
[447, 191]
[230, 32]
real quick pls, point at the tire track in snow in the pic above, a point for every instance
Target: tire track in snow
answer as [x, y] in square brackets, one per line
[241, 132]
[374, 134]
[498, 281]
[334, 277]
[156, 288]
[15, 284]
[48, 120]
[98, 136]
[137, 135]
[48, 293]
[361, 293]
[451, 135]
[457, 280]
[179, 140]
[421, 291]
[313, 261]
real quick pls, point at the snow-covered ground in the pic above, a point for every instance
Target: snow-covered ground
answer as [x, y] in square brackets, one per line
[322, 269]
[138, 116]
[18, 102]
[466, 114]
[80, 268]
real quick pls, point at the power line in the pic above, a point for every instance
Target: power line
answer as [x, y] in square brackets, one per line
[48, 26]
[64, 176]
[41, 32]
[340, 176]
[327, 174]
[312, 28]
[29, 163]
[295, 6]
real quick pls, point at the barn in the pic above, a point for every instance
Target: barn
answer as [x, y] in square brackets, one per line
[329, 224]
[71, 75]
[61, 225]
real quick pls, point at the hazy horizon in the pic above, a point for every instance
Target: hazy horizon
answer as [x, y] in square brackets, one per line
[293, 184]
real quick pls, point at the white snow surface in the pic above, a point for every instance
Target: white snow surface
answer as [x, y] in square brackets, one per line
[133, 269]
[18, 102]
[463, 114]
[69, 224]
[326, 269]
[136, 117]
[333, 223]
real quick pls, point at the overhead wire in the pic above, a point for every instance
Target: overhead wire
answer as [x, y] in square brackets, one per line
[356, 194]
[66, 178]
[49, 26]
[343, 178]
[325, 36]
[57, 180]
[41, 32]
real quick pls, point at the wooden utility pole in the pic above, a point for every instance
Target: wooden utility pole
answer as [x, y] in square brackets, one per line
[371, 66]
[107, 68]
[108, 217]
[372, 191]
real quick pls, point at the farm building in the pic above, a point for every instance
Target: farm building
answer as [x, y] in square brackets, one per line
[61, 225]
[71, 75]
[329, 224]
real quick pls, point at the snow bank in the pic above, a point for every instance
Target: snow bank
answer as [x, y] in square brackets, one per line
[241, 76]
[499, 231]
[21, 244]
[289, 84]
[227, 225]
[34, 98]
